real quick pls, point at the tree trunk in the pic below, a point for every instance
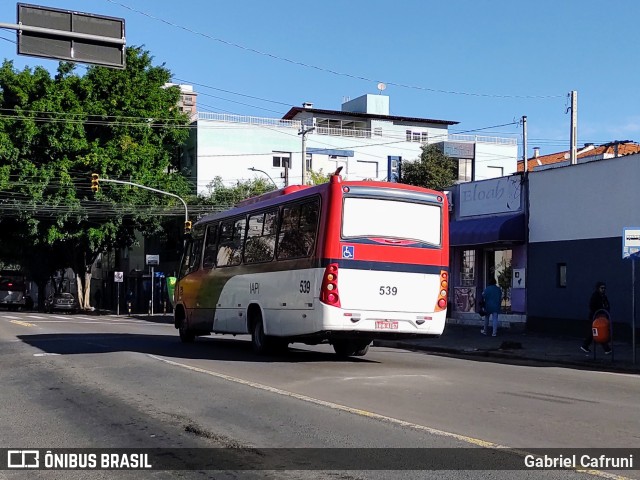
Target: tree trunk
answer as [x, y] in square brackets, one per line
[84, 290]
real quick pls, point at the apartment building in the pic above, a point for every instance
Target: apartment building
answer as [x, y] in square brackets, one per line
[362, 138]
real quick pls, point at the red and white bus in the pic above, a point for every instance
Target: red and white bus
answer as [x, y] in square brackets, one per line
[345, 262]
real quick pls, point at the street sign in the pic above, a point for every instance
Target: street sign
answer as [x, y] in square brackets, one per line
[118, 277]
[68, 35]
[631, 242]
[153, 259]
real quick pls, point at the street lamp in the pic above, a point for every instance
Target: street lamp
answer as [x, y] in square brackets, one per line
[303, 131]
[254, 169]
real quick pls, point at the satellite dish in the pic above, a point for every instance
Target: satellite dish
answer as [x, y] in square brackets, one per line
[381, 87]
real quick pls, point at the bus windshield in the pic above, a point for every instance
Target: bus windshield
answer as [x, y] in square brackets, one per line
[393, 219]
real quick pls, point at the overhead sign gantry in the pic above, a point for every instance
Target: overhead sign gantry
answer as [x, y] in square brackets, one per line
[68, 35]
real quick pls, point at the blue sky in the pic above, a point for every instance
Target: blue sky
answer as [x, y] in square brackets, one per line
[480, 63]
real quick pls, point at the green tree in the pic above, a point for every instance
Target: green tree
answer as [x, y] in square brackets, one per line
[56, 131]
[222, 197]
[433, 170]
[319, 177]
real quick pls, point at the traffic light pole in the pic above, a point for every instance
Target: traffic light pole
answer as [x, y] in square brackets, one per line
[122, 182]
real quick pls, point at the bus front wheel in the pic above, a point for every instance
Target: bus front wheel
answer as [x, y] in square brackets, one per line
[186, 335]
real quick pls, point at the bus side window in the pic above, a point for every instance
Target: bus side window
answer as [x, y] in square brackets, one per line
[211, 247]
[288, 235]
[298, 230]
[231, 241]
[261, 237]
[309, 217]
[196, 251]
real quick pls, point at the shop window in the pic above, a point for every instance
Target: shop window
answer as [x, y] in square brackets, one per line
[468, 268]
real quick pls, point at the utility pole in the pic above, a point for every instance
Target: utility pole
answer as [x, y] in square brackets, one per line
[303, 131]
[286, 171]
[574, 128]
[524, 142]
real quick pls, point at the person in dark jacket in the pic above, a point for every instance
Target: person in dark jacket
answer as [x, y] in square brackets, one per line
[492, 296]
[598, 301]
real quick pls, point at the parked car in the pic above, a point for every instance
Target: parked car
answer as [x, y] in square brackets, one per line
[61, 302]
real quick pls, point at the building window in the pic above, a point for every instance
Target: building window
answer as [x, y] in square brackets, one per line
[562, 275]
[408, 132]
[281, 159]
[377, 132]
[464, 169]
[468, 268]
[496, 172]
[425, 137]
[309, 162]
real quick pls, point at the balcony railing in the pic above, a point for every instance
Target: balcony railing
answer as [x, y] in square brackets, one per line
[455, 137]
[343, 132]
[350, 132]
[265, 122]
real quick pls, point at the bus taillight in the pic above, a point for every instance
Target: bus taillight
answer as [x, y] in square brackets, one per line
[329, 291]
[441, 303]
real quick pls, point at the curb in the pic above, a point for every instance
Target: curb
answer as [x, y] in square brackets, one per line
[507, 355]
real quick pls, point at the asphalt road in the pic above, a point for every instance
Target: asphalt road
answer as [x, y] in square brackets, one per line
[105, 382]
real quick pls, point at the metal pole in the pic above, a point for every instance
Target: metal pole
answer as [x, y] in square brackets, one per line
[524, 142]
[121, 182]
[254, 169]
[574, 128]
[303, 131]
[152, 285]
[118, 301]
[633, 308]
[64, 33]
[304, 157]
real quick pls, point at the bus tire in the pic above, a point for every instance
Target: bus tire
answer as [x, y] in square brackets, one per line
[186, 335]
[361, 350]
[259, 340]
[344, 348]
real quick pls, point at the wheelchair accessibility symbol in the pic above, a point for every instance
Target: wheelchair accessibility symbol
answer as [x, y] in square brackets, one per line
[348, 251]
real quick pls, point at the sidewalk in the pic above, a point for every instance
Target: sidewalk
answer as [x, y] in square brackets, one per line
[523, 347]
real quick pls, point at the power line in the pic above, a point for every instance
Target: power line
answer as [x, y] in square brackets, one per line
[322, 69]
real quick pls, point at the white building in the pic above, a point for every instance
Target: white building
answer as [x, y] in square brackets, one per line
[361, 137]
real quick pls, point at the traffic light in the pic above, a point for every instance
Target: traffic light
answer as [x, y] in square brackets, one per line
[94, 182]
[187, 227]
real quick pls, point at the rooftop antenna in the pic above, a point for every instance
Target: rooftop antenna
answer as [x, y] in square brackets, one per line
[381, 87]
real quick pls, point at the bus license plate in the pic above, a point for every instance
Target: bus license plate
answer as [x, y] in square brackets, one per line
[386, 325]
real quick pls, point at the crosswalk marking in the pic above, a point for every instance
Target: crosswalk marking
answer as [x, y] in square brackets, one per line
[24, 324]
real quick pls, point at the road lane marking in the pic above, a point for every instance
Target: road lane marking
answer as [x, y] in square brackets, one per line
[24, 324]
[364, 413]
[45, 354]
[11, 317]
[36, 317]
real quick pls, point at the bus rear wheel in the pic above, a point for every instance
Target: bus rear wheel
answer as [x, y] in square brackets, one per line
[186, 335]
[361, 349]
[259, 340]
[351, 348]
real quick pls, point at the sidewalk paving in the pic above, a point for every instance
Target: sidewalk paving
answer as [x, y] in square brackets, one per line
[523, 347]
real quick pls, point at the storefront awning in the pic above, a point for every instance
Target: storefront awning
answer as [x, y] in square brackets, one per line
[479, 231]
